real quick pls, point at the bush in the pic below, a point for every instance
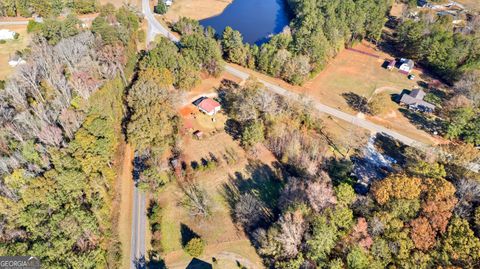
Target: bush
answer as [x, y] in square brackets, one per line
[33, 26]
[16, 36]
[2, 41]
[195, 247]
[160, 8]
[2, 84]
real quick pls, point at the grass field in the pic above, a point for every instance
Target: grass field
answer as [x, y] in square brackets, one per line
[196, 9]
[8, 49]
[473, 4]
[222, 236]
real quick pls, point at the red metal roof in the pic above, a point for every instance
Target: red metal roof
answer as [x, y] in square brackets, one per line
[208, 105]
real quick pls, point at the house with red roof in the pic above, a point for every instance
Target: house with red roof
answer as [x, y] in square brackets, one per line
[207, 105]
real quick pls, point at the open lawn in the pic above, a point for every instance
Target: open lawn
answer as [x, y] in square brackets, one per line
[359, 71]
[195, 9]
[363, 74]
[473, 4]
[224, 240]
[8, 49]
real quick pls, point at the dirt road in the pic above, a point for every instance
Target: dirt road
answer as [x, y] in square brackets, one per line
[126, 204]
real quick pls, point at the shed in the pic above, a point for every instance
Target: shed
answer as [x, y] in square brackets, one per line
[16, 60]
[391, 64]
[198, 134]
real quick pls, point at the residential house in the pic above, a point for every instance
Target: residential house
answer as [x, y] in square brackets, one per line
[406, 66]
[207, 105]
[414, 100]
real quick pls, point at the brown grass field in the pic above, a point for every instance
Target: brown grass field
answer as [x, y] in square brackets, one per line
[473, 4]
[195, 9]
[8, 49]
[222, 236]
[351, 71]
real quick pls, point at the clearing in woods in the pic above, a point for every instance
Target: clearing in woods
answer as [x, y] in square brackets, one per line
[8, 49]
[224, 239]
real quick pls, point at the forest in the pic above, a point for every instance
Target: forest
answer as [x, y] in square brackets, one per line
[423, 214]
[45, 8]
[84, 91]
[318, 32]
[60, 124]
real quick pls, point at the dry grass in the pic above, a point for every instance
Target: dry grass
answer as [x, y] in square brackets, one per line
[218, 231]
[126, 202]
[364, 75]
[196, 9]
[119, 3]
[473, 4]
[8, 49]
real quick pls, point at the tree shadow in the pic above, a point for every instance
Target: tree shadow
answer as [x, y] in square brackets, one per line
[198, 264]
[356, 102]
[155, 262]
[389, 146]
[264, 183]
[421, 121]
[233, 128]
[187, 234]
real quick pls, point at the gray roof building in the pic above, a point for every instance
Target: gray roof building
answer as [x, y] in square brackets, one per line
[415, 100]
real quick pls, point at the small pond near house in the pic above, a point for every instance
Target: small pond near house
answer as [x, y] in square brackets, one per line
[257, 20]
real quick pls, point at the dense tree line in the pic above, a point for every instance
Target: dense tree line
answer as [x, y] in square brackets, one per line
[46, 8]
[318, 32]
[60, 124]
[440, 46]
[424, 214]
[164, 73]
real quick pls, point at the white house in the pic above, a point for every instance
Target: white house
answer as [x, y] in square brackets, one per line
[406, 66]
[6, 34]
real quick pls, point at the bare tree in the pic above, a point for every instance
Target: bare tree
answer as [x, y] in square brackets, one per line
[195, 199]
[469, 85]
[292, 227]
[249, 211]
[468, 194]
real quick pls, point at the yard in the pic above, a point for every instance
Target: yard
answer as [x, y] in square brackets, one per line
[10, 47]
[473, 4]
[359, 71]
[225, 241]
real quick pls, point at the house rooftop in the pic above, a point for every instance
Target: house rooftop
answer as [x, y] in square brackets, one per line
[415, 98]
[206, 104]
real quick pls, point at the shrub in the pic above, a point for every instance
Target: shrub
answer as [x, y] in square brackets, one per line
[160, 8]
[2, 41]
[33, 26]
[195, 247]
[2, 84]
[16, 36]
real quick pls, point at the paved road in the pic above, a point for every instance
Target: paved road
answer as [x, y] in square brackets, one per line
[154, 27]
[372, 127]
[139, 215]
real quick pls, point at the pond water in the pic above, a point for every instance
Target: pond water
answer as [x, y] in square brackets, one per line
[255, 19]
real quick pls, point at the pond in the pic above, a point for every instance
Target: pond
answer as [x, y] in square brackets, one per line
[257, 20]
